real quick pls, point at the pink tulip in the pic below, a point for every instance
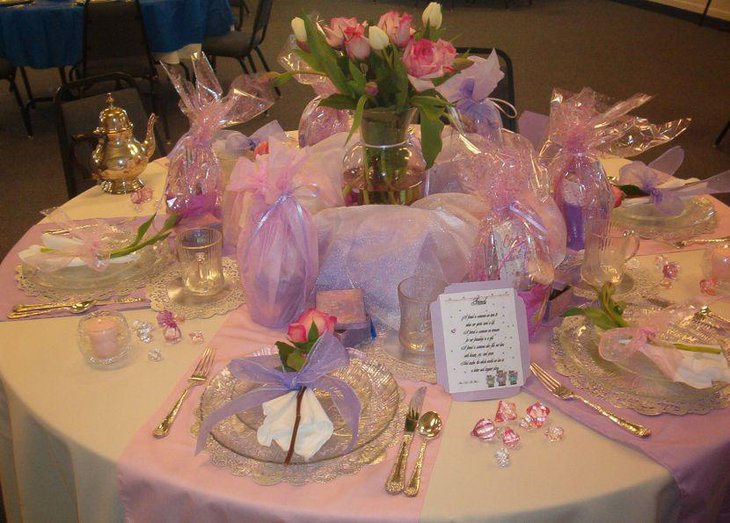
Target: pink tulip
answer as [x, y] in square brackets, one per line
[299, 330]
[356, 43]
[397, 27]
[425, 58]
[335, 32]
[371, 89]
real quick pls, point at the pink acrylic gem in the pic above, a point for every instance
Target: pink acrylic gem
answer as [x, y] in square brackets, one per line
[502, 457]
[506, 411]
[510, 438]
[172, 334]
[708, 286]
[484, 430]
[196, 337]
[527, 423]
[554, 433]
[670, 270]
[141, 196]
[539, 413]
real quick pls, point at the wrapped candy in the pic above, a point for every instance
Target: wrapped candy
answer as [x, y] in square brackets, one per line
[195, 182]
[277, 250]
[317, 122]
[469, 92]
[582, 128]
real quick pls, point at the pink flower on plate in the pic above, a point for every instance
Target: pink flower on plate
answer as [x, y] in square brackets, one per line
[425, 58]
[356, 43]
[298, 330]
[335, 32]
[397, 27]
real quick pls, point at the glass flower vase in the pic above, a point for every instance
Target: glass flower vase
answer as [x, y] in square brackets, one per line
[386, 166]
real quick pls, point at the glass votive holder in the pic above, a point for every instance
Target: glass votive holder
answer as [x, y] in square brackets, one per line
[716, 263]
[415, 295]
[200, 252]
[104, 338]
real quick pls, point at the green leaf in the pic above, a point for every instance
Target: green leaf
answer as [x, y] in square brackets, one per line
[142, 230]
[431, 126]
[339, 101]
[295, 361]
[313, 333]
[358, 78]
[574, 311]
[325, 56]
[358, 116]
[600, 319]
[632, 191]
[284, 351]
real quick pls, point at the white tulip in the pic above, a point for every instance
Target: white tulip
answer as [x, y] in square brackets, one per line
[378, 38]
[432, 15]
[300, 32]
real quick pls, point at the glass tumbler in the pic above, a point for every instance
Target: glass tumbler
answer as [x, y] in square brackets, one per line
[201, 264]
[606, 253]
[415, 295]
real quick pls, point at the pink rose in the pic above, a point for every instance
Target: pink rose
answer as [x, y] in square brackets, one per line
[618, 196]
[356, 43]
[299, 330]
[425, 58]
[397, 27]
[335, 32]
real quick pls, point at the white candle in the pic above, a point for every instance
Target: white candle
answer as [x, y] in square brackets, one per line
[103, 336]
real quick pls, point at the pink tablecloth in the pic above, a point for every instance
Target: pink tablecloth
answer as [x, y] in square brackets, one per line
[162, 480]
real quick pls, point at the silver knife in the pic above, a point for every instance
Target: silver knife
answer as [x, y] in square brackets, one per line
[397, 479]
[716, 321]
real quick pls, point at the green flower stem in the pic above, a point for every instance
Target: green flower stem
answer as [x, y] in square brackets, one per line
[695, 348]
[295, 429]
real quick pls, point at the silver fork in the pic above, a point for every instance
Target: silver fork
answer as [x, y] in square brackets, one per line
[564, 393]
[681, 244]
[198, 377]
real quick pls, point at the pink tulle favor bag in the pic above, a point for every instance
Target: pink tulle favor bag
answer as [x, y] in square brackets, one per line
[584, 127]
[277, 250]
[195, 181]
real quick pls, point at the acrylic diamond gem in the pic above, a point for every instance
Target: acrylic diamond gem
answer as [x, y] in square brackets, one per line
[510, 438]
[484, 430]
[539, 413]
[506, 411]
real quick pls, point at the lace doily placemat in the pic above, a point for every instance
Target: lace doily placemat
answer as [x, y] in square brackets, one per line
[385, 349]
[119, 281]
[167, 293]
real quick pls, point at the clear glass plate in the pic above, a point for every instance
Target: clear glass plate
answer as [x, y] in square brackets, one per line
[636, 384]
[375, 387]
[698, 217]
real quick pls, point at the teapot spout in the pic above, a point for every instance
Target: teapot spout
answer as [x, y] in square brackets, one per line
[149, 139]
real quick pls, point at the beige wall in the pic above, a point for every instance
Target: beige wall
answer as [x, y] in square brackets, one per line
[718, 8]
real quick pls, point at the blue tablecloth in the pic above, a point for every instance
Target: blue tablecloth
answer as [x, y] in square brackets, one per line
[49, 33]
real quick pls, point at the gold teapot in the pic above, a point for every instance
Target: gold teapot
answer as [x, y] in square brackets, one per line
[119, 159]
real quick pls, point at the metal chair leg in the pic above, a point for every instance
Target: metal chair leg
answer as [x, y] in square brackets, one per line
[266, 66]
[25, 113]
[722, 134]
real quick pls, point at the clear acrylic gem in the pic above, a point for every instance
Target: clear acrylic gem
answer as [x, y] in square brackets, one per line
[527, 423]
[502, 457]
[196, 337]
[506, 411]
[484, 430]
[154, 355]
[554, 433]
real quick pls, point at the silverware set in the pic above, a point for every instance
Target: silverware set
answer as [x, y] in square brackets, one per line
[681, 244]
[564, 393]
[428, 426]
[79, 307]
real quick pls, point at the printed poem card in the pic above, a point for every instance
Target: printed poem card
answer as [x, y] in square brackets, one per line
[480, 340]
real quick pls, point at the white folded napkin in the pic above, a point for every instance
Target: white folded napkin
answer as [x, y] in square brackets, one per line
[671, 183]
[315, 428]
[59, 242]
[696, 369]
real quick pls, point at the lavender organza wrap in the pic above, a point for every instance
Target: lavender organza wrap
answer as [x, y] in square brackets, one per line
[665, 192]
[582, 128]
[326, 356]
[317, 122]
[469, 92]
[194, 182]
[277, 250]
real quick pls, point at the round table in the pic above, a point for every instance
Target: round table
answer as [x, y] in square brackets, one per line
[64, 425]
[49, 33]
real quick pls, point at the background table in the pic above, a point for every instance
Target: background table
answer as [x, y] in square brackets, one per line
[64, 426]
[49, 33]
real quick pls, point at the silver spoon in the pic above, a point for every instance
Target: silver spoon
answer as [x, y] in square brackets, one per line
[429, 426]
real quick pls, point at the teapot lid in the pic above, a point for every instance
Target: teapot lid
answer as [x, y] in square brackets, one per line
[113, 119]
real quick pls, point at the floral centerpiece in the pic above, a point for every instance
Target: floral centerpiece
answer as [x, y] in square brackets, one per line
[294, 418]
[385, 76]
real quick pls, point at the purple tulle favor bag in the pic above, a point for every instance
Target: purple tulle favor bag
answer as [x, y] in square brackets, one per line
[195, 181]
[317, 122]
[584, 127]
[469, 92]
[277, 250]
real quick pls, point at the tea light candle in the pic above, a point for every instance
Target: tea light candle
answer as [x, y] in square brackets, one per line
[103, 336]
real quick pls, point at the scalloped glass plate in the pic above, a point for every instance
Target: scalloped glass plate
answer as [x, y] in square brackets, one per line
[375, 387]
[698, 217]
[636, 384]
[83, 281]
